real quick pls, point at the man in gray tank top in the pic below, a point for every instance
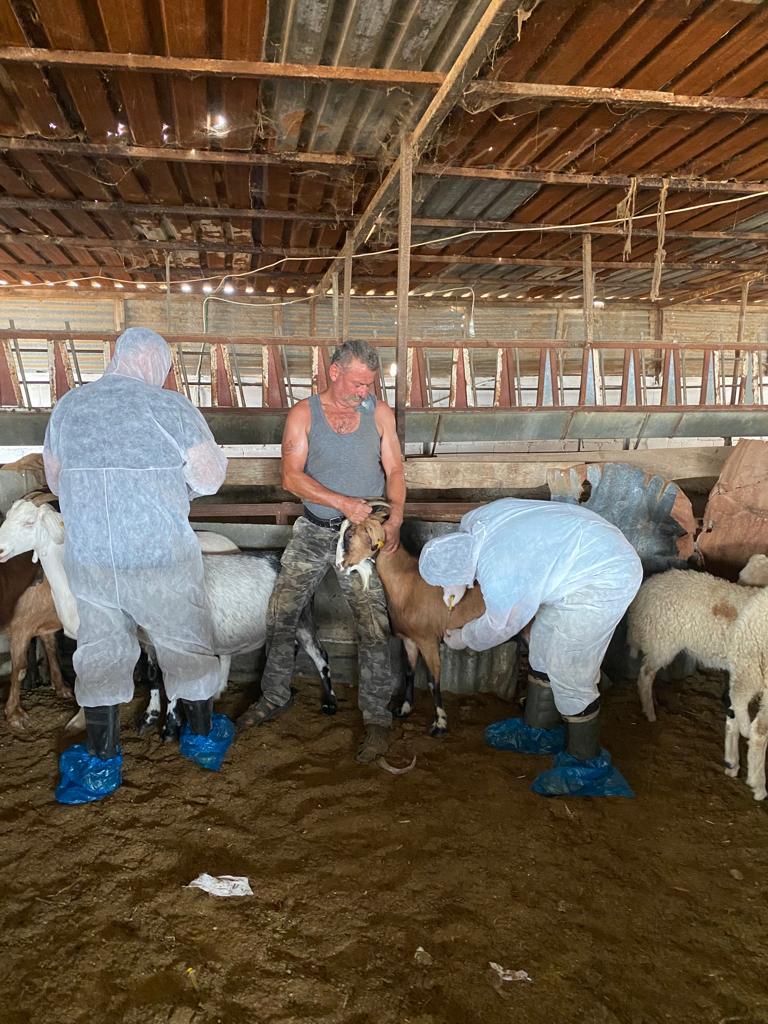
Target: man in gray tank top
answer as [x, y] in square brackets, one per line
[339, 449]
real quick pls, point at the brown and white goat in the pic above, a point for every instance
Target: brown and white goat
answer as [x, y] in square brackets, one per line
[416, 610]
[26, 611]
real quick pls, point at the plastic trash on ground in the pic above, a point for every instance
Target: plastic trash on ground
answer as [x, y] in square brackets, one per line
[571, 777]
[85, 778]
[514, 734]
[208, 751]
[222, 885]
[504, 974]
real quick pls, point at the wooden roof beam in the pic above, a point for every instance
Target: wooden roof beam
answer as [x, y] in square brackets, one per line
[488, 31]
[196, 66]
[162, 210]
[449, 223]
[506, 92]
[727, 286]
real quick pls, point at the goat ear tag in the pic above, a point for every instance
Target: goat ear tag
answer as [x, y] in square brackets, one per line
[379, 543]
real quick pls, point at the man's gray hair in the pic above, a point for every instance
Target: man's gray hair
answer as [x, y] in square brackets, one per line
[359, 350]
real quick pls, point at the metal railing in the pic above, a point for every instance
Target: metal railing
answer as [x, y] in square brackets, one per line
[37, 368]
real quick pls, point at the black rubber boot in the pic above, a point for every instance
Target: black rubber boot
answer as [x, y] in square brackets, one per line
[540, 711]
[102, 730]
[199, 715]
[584, 732]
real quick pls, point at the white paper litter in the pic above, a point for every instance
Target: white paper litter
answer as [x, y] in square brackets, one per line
[222, 885]
[507, 975]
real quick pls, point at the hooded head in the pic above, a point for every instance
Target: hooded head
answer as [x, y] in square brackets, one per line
[142, 354]
[449, 560]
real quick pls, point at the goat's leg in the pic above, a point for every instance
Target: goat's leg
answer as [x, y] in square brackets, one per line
[431, 654]
[645, 680]
[306, 637]
[403, 701]
[174, 720]
[62, 690]
[758, 741]
[225, 663]
[153, 710]
[16, 716]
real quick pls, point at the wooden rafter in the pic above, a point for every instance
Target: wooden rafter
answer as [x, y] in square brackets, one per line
[486, 33]
[643, 98]
[196, 66]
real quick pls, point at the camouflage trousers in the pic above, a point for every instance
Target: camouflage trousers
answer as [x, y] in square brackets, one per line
[310, 553]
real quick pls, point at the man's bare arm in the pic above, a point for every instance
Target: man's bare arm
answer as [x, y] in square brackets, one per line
[295, 449]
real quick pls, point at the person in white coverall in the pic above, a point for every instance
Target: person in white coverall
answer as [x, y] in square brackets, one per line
[574, 575]
[126, 457]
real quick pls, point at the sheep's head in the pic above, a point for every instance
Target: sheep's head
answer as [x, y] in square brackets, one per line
[359, 543]
[755, 572]
[27, 527]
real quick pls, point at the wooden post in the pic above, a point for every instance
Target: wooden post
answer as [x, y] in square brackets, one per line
[346, 301]
[738, 372]
[589, 289]
[403, 282]
[335, 303]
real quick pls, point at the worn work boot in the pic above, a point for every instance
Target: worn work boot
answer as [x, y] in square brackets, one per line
[374, 744]
[261, 711]
[540, 711]
[198, 714]
[91, 771]
[102, 730]
[584, 732]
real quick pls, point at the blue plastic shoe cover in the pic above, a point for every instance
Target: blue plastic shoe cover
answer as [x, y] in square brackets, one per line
[208, 751]
[571, 777]
[514, 734]
[86, 778]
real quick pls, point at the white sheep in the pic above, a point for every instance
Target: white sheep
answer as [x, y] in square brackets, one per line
[683, 610]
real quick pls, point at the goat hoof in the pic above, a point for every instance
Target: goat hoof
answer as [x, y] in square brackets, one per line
[329, 707]
[438, 730]
[18, 722]
[146, 724]
[170, 732]
[403, 711]
[760, 794]
[67, 694]
[732, 773]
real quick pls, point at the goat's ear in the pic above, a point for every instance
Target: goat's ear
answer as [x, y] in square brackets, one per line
[53, 524]
[380, 510]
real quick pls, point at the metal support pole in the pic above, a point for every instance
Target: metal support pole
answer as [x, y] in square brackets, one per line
[403, 282]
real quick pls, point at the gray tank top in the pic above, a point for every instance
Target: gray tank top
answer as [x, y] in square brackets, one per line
[347, 463]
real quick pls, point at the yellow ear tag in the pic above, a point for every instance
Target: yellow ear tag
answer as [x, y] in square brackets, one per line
[451, 601]
[379, 543]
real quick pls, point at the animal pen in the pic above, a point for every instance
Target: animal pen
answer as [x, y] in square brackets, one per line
[549, 218]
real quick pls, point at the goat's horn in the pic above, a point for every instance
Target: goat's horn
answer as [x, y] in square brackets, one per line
[40, 497]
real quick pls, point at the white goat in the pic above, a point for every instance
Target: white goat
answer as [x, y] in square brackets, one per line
[238, 588]
[683, 610]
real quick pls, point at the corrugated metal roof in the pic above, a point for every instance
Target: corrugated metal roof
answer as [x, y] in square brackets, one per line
[689, 47]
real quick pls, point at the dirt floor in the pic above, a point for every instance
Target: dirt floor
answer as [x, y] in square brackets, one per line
[619, 910]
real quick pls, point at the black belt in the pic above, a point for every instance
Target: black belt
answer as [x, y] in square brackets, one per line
[329, 524]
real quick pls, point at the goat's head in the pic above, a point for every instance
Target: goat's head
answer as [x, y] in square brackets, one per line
[29, 526]
[359, 543]
[755, 572]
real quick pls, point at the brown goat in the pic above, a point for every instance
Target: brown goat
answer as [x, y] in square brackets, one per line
[416, 610]
[26, 611]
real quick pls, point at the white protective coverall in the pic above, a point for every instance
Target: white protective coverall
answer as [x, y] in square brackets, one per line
[563, 564]
[125, 458]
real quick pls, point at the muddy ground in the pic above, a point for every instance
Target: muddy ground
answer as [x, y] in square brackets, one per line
[620, 911]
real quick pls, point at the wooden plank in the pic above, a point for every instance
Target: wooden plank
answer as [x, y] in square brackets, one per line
[643, 98]
[403, 284]
[195, 66]
[513, 471]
